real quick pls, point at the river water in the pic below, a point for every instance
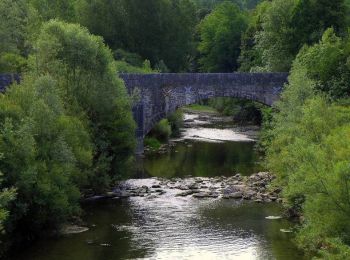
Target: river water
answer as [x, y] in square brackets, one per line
[170, 227]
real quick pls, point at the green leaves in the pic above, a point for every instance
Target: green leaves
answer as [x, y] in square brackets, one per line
[158, 30]
[279, 29]
[220, 34]
[310, 145]
[66, 127]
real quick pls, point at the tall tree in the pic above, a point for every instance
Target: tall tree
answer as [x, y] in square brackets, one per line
[51, 9]
[287, 25]
[85, 68]
[158, 30]
[220, 38]
[13, 34]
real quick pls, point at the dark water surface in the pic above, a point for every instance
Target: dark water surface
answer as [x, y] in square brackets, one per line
[204, 159]
[169, 227]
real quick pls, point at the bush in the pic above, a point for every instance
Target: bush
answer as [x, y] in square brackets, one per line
[243, 111]
[131, 58]
[176, 123]
[11, 62]
[152, 142]
[220, 34]
[162, 130]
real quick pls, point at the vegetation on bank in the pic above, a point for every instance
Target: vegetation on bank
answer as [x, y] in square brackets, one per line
[309, 145]
[164, 130]
[67, 128]
[200, 108]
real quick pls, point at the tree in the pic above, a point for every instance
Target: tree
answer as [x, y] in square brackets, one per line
[210, 4]
[275, 40]
[86, 71]
[327, 63]
[287, 25]
[309, 146]
[220, 34]
[46, 157]
[13, 34]
[51, 9]
[6, 196]
[156, 29]
[250, 58]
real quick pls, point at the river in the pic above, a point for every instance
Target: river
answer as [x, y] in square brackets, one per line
[182, 227]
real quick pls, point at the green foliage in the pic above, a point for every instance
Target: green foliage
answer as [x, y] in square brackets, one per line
[335, 249]
[66, 127]
[162, 130]
[155, 29]
[280, 28]
[309, 147]
[327, 63]
[314, 164]
[11, 62]
[275, 38]
[250, 58]
[165, 129]
[6, 196]
[51, 9]
[124, 67]
[46, 156]
[242, 111]
[176, 123]
[13, 22]
[85, 69]
[312, 17]
[152, 143]
[201, 108]
[220, 34]
[210, 4]
[133, 59]
[14, 27]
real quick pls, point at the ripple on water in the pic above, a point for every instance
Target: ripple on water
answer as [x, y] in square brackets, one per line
[178, 228]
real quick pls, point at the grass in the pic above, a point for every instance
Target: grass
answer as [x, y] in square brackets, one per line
[152, 143]
[200, 108]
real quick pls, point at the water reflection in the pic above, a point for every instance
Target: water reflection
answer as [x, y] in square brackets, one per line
[204, 159]
[177, 228]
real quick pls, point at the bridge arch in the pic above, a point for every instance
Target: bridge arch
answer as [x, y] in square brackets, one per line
[161, 94]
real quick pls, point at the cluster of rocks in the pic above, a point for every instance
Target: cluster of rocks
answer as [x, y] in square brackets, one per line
[164, 148]
[254, 187]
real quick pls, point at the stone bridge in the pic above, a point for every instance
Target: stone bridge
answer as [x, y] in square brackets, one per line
[161, 94]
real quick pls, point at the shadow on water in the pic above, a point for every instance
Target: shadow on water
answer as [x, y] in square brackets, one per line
[204, 159]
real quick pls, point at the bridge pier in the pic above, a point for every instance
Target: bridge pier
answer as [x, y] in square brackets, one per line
[139, 117]
[139, 145]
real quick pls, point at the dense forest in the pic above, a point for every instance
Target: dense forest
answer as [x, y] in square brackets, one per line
[67, 130]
